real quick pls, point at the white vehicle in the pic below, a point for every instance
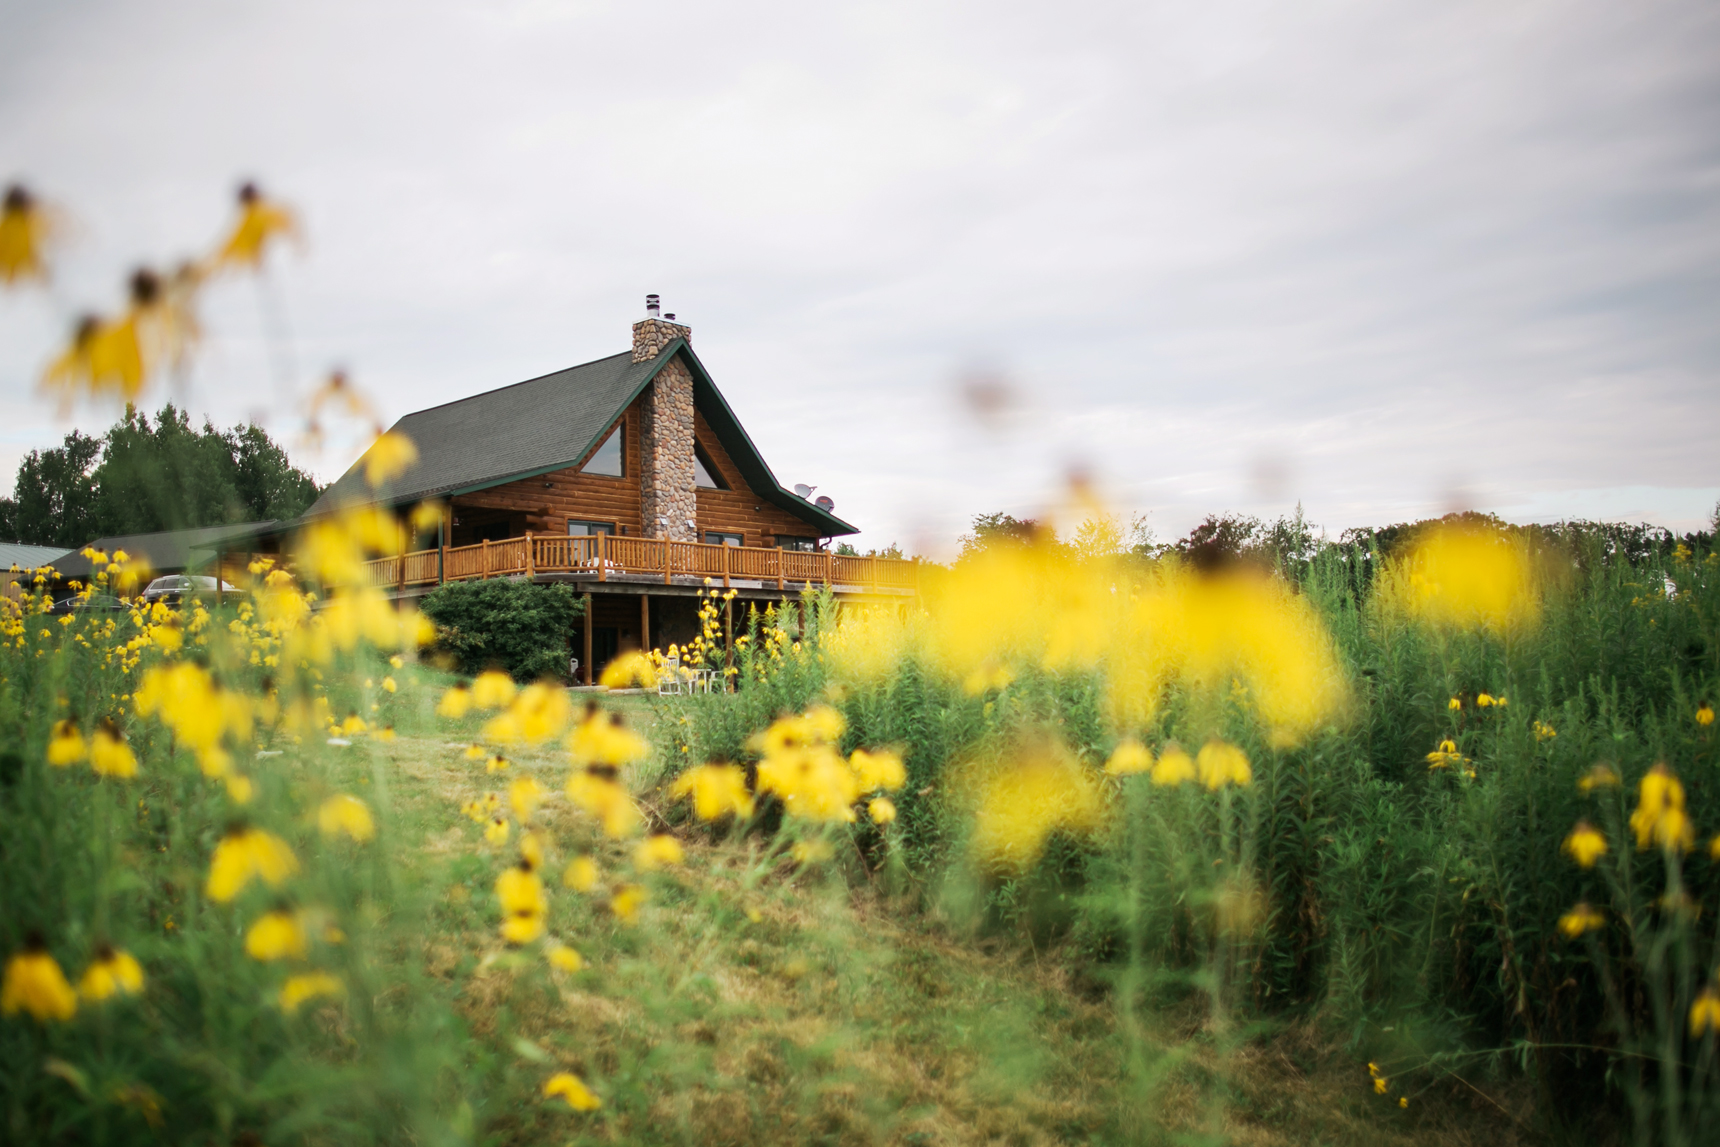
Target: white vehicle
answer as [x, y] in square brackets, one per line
[175, 588]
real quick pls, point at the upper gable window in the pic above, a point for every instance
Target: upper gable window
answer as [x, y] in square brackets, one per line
[608, 458]
[704, 473]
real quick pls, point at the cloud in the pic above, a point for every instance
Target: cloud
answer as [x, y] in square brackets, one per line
[1406, 251]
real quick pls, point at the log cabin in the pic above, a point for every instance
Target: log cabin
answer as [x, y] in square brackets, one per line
[628, 477]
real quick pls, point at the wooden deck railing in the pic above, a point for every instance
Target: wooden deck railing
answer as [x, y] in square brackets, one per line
[600, 557]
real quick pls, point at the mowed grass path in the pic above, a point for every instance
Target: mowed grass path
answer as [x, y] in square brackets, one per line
[755, 1003]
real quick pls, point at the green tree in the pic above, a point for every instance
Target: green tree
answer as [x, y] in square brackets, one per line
[53, 499]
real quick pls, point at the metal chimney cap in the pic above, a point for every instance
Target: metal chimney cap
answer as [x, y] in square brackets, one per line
[652, 306]
[670, 316]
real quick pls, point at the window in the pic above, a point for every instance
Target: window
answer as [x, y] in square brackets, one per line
[586, 529]
[704, 473]
[805, 545]
[608, 459]
[717, 538]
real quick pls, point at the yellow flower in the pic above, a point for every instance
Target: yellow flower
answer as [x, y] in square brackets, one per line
[572, 1089]
[1174, 767]
[1599, 776]
[564, 959]
[497, 833]
[391, 455]
[1660, 817]
[496, 764]
[531, 848]
[35, 984]
[1446, 754]
[524, 795]
[1380, 1084]
[1705, 715]
[277, 935]
[1454, 704]
[580, 874]
[66, 746]
[1544, 732]
[605, 799]
[245, 853]
[389, 684]
[492, 690]
[811, 851]
[522, 927]
[239, 788]
[520, 890]
[1705, 1012]
[24, 232]
[627, 901]
[717, 791]
[1129, 757]
[307, 986]
[1022, 802]
[539, 712]
[1221, 763]
[658, 851]
[880, 770]
[260, 221]
[110, 756]
[456, 702]
[629, 670]
[113, 972]
[1585, 845]
[601, 739]
[343, 813]
[1580, 919]
[881, 810]
[1484, 701]
[1465, 577]
[1403, 1101]
[476, 752]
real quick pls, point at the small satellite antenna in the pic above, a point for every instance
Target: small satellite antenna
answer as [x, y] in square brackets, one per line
[801, 489]
[825, 502]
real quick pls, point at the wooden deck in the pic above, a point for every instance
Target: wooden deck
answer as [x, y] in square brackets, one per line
[599, 559]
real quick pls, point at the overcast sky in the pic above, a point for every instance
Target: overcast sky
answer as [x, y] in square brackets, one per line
[1384, 259]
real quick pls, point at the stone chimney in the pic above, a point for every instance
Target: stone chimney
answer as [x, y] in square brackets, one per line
[666, 496]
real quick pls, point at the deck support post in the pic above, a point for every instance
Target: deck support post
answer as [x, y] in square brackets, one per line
[602, 561]
[585, 663]
[644, 623]
[668, 560]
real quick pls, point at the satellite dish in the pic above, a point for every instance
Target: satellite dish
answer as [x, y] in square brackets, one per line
[825, 503]
[802, 490]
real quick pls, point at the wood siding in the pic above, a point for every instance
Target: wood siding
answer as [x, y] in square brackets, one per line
[739, 509]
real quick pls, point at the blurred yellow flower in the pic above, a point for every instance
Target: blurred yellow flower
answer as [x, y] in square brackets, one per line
[524, 795]
[492, 690]
[580, 874]
[1022, 801]
[602, 739]
[811, 851]
[1580, 919]
[25, 229]
[1705, 1012]
[1705, 715]
[308, 986]
[1221, 763]
[497, 832]
[245, 853]
[563, 958]
[520, 890]
[277, 935]
[1484, 701]
[113, 972]
[34, 983]
[476, 752]
[1380, 1084]
[496, 763]
[1660, 817]
[239, 788]
[658, 851]
[605, 799]
[1454, 704]
[1464, 576]
[389, 684]
[717, 791]
[1174, 767]
[531, 848]
[110, 756]
[1544, 732]
[522, 928]
[629, 670]
[1445, 755]
[391, 455]
[881, 810]
[880, 770]
[1128, 758]
[572, 1090]
[1600, 776]
[344, 813]
[260, 222]
[539, 712]
[66, 744]
[627, 901]
[1585, 844]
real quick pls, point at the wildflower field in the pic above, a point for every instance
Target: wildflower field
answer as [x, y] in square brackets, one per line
[1066, 853]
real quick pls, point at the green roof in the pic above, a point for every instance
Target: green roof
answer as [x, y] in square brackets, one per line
[549, 423]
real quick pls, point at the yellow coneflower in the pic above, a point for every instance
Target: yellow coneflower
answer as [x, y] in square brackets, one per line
[389, 684]
[811, 851]
[1600, 776]
[66, 745]
[1129, 757]
[277, 935]
[717, 791]
[1484, 701]
[629, 670]
[496, 764]
[497, 832]
[659, 851]
[1380, 1084]
[879, 770]
[1705, 715]
[627, 901]
[343, 813]
[563, 958]
[1581, 918]
[455, 703]
[1660, 817]
[390, 456]
[1454, 704]
[572, 1090]
[239, 788]
[605, 799]
[25, 230]
[493, 690]
[1585, 845]
[580, 874]
[35, 984]
[1174, 767]
[260, 222]
[1221, 763]
[110, 756]
[475, 752]
[522, 927]
[308, 986]
[1705, 1012]
[881, 810]
[524, 796]
[245, 853]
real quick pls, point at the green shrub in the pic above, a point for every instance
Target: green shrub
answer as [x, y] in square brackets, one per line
[514, 624]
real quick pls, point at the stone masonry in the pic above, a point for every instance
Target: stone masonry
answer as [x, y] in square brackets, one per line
[666, 491]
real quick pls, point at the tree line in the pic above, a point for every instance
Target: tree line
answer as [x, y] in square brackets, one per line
[142, 476]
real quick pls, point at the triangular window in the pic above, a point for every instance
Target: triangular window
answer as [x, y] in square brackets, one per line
[607, 460]
[705, 474]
